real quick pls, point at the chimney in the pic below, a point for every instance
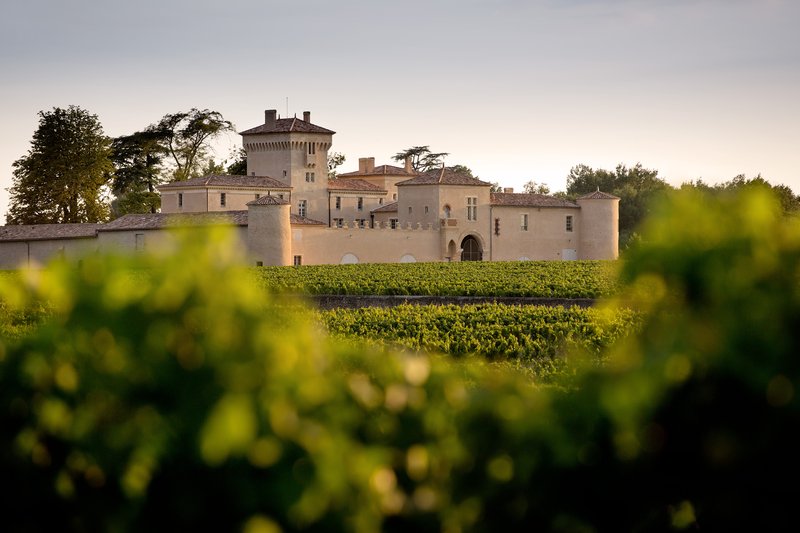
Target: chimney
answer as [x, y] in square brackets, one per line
[307, 116]
[409, 168]
[270, 117]
[508, 190]
[366, 164]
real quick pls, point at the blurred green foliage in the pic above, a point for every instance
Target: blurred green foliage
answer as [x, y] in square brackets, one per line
[188, 399]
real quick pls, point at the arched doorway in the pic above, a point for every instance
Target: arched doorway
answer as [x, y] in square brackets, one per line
[471, 249]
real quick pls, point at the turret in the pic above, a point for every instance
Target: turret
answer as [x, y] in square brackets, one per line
[269, 231]
[599, 226]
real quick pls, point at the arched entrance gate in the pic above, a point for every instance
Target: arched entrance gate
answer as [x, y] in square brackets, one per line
[471, 249]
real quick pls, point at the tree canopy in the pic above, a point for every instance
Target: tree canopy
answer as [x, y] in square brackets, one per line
[790, 203]
[185, 137]
[532, 187]
[62, 177]
[422, 159]
[335, 160]
[174, 149]
[238, 166]
[138, 162]
[636, 187]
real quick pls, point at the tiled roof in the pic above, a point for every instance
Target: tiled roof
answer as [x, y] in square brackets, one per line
[381, 170]
[287, 125]
[163, 220]
[528, 200]
[259, 182]
[347, 184]
[303, 221]
[388, 208]
[46, 232]
[598, 195]
[145, 221]
[444, 176]
[269, 200]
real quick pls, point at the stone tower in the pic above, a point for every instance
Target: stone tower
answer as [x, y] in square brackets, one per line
[599, 226]
[269, 231]
[295, 152]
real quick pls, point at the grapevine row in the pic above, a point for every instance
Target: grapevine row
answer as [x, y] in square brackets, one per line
[546, 279]
[494, 331]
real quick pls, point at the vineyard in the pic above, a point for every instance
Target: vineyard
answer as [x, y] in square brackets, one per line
[546, 279]
[534, 336]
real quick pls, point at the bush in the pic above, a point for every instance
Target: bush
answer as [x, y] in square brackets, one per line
[188, 399]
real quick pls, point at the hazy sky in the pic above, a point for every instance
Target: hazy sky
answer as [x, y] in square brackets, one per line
[514, 89]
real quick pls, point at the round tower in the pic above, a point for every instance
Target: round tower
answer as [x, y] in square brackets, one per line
[269, 231]
[599, 226]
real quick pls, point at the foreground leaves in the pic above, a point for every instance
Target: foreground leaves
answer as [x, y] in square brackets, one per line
[187, 399]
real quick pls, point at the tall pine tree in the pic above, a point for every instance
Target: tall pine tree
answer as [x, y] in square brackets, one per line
[61, 178]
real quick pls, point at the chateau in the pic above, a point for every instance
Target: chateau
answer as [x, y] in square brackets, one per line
[286, 211]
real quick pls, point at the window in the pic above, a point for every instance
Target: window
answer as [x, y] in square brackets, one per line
[362, 222]
[280, 196]
[446, 211]
[393, 223]
[569, 222]
[409, 210]
[284, 173]
[259, 263]
[309, 177]
[394, 196]
[258, 196]
[180, 199]
[338, 222]
[426, 209]
[360, 203]
[301, 208]
[312, 148]
[380, 201]
[139, 242]
[222, 199]
[338, 203]
[523, 222]
[298, 260]
[472, 208]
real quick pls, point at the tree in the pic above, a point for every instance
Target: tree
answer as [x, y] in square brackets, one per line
[422, 159]
[138, 160]
[531, 187]
[186, 136]
[335, 159]
[61, 179]
[239, 165]
[462, 169]
[790, 203]
[636, 188]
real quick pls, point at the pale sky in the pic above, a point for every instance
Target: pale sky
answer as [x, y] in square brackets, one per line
[516, 90]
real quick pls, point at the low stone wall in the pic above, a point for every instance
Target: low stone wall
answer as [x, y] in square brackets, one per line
[352, 301]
